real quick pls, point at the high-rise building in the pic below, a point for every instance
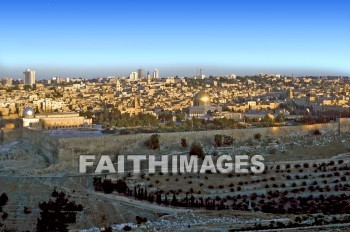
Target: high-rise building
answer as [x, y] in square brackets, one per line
[155, 74]
[140, 74]
[148, 78]
[133, 76]
[29, 77]
[201, 75]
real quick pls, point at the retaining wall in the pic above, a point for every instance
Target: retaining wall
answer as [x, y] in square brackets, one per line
[67, 150]
[42, 140]
[8, 135]
[70, 148]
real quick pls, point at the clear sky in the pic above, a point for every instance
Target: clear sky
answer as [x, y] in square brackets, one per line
[101, 37]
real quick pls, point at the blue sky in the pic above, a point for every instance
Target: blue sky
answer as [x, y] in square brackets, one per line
[100, 38]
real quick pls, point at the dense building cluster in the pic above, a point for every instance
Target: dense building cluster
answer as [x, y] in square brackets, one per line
[243, 98]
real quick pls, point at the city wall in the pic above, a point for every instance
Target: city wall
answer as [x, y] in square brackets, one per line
[67, 150]
[42, 140]
[344, 125]
[8, 135]
[70, 148]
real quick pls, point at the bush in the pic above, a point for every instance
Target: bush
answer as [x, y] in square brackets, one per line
[127, 228]
[153, 142]
[124, 132]
[107, 186]
[107, 229]
[26, 210]
[196, 149]
[228, 140]
[4, 216]
[184, 142]
[218, 140]
[280, 118]
[257, 136]
[140, 220]
[317, 132]
[121, 186]
[3, 199]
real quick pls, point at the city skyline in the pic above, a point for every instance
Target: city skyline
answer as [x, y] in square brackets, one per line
[90, 39]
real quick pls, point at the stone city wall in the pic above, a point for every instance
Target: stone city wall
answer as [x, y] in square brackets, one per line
[42, 140]
[67, 150]
[70, 148]
[344, 125]
[9, 134]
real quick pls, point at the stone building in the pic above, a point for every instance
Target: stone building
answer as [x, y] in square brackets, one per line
[48, 121]
[201, 106]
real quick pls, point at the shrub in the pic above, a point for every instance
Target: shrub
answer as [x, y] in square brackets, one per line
[228, 140]
[153, 142]
[107, 186]
[121, 186]
[196, 149]
[127, 228]
[218, 140]
[184, 142]
[140, 220]
[3, 200]
[107, 229]
[257, 136]
[124, 132]
[317, 132]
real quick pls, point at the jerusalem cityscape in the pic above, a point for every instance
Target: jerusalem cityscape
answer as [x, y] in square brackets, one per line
[174, 116]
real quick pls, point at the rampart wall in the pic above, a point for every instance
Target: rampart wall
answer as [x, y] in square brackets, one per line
[344, 125]
[67, 150]
[50, 144]
[11, 134]
[70, 148]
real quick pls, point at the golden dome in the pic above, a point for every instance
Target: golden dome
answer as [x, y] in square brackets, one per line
[201, 98]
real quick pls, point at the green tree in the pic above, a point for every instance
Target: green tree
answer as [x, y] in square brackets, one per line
[180, 116]
[3, 200]
[27, 87]
[121, 186]
[228, 140]
[57, 214]
[184, 142]
[257, 136]
[196, 149]
[267, 119]
[218, 140]
[280, 118]
[153, 142]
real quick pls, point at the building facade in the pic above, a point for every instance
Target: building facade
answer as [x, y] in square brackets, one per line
[155, 74]
[202, 107]
[29, 77]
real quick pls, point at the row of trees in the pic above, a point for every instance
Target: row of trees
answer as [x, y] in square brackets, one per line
[107, 186]
[115, 118]
[219, 141]
[313, 220]
[139, 193]
[305, 205]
